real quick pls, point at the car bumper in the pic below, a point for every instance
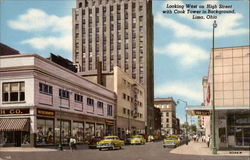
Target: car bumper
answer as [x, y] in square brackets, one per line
[169, 145]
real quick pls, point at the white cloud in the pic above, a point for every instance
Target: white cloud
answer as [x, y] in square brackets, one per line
[41, 43]
[180, 30]
[36, 21]
[188, 54]
[228, 24]
[189, 90]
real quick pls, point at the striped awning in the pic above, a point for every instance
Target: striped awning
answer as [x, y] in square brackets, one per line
[14, 124]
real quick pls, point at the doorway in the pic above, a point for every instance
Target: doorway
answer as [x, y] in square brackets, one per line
[242, 137]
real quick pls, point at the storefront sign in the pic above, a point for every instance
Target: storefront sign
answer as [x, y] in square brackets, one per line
[14, 111]
[201, 113]
[110, 122]
[44, 112]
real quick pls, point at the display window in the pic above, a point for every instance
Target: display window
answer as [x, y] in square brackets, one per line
[45, 132]
[77, 131]
[89, 131]
[65, 131]
[99, 131]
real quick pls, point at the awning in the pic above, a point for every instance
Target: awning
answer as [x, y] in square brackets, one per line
[14, 124]
[193, 110]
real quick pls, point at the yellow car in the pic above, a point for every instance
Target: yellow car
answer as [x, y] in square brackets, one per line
[137, 139]
[110, 142]
[171, 141]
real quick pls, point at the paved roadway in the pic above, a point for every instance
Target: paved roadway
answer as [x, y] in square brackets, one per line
[150, 151]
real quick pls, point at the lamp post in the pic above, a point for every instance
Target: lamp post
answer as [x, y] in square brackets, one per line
[214, 149]
[186, 137]
[60, 147]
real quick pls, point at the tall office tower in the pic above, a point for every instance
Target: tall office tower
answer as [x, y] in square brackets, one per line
[115, 33]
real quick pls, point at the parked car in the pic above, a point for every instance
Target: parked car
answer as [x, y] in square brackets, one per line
[137, 139]
[171, 141]
[92, 143]
[110, 142]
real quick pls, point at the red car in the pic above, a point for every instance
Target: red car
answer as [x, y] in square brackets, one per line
[93, 142]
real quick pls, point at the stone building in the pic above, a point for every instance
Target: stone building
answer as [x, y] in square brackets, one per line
[116, 33]
[41, 100]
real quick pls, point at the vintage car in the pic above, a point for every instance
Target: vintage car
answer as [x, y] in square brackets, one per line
[92, 143]
[171, 141]
[110, 142]
[137, 139]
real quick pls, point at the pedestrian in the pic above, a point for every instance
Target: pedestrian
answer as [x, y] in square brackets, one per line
[71, 143]
[74, 144]
[208, 140]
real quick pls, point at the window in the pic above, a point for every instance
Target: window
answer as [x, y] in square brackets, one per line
[128, 112]
[78, 98]
[63, 94]
[46, 89]
[99, 104]
[90, 102]
[124, 110]
[14, 91]
[124, 96]
[167, 120]
[110, 110]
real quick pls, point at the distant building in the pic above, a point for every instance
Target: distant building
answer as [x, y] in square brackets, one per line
[38, 94]
[157, 121]
[116, 33]
[168, 115]
[6, 50]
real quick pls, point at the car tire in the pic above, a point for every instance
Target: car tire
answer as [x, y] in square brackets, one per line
[164, 146]
[100, 149]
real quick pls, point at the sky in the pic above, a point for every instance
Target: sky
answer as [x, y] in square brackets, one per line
[182, 44]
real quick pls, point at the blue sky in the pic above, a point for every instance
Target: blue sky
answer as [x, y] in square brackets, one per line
[181, 44]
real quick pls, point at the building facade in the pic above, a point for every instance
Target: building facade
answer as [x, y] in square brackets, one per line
[231, 88]
[168, 115]
[116, 33]
[131, 110]
[41, 100]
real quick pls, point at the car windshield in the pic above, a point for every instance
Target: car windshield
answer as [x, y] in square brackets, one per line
[137, 136]
[109, 138]
[171, 138]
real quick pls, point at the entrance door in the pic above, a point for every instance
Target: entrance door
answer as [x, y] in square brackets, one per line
[242, 137]
[17, 138]
[246, 136]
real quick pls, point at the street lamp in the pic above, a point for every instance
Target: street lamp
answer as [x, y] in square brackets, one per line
[60, 147]
[186, 136]
[214, 149]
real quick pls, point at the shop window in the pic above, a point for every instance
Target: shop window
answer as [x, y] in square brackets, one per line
[89, 131]
[110, 110]
[65, 132]
[78, 98]
[63, 94]
[99, 130]
[13, 92]
[77, 131]
[90, 102]
[46, 89]
[45, 132]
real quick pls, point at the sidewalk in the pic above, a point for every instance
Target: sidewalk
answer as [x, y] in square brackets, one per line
[39, 149]
[198, 148]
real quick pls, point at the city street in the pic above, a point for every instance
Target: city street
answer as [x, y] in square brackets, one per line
[150, 151]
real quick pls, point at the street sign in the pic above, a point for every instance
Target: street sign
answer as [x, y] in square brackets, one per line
[201, 113]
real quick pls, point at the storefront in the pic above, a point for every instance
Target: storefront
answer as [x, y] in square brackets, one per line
[14, 127]
[232, 125]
